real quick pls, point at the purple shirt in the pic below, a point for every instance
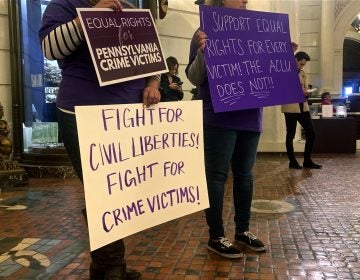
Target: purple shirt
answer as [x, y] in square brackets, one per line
[79, 84]
[242, 120]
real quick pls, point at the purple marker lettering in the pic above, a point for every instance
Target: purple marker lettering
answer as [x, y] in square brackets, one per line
[105, 117]
[173, 168]
[135, 147]
[105, 227]
[91, 158]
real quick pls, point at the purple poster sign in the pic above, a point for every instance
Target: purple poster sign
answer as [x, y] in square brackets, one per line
[249, 59]
[123, 45]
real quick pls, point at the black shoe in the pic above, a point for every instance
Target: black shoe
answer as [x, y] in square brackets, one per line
[294, 165]
[132, 274]
[98, 273]
[224, 248]
[250, 240]
[311, 165]
[116, 273]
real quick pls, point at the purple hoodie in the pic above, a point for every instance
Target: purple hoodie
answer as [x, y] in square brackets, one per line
[242, 120]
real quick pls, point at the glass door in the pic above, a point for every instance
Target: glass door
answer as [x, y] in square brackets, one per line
[41, 79]
[35, 82]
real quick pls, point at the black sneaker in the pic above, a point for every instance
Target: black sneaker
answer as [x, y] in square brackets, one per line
[294, 165]
[224, 248]
[312, 165]
[250, 240]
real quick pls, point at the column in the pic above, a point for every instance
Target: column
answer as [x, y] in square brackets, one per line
[326, 48]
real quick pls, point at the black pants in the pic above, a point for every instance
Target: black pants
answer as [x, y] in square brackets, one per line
[111, 255]
[305, 121]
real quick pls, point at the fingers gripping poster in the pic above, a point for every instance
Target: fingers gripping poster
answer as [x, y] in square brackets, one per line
[141, 167]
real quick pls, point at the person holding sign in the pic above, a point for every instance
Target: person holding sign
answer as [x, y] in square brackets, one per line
[229, 137]
[62, 39]
[170, 83]
[299, 112]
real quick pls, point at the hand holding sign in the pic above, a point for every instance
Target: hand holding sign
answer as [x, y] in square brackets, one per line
[151, 95]
[112, 4]
[200, 39]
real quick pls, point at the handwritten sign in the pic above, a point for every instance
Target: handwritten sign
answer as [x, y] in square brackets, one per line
[141, 167]
[123, 45]
[249, 59]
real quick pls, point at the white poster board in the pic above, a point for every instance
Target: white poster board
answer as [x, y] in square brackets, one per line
[141, 167]
[327, 111]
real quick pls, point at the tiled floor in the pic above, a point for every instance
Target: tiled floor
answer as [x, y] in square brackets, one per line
[319, 238]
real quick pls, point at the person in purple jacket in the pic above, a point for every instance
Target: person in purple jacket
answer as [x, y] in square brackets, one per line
[229, 137]
[62, 39]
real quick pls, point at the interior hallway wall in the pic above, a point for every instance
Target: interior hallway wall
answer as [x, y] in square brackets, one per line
[5, 77]
[345, 12]
[309, 23]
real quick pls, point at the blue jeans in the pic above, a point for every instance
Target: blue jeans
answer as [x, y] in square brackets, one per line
[223, 146]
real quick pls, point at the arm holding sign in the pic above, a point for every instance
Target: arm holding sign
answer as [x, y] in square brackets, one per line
[66, 37]
[196, 71]
[151, 94]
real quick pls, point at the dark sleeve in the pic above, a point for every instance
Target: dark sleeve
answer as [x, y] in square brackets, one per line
[164, 86]
[56, 13]
[168, 94]
[179, 93]
[59, 34]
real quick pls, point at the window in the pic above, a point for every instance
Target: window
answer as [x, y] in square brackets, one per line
[35, 83]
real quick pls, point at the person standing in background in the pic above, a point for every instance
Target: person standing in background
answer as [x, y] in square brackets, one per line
[229, 138]
[62, 39]
[299, 112]
[170, 83]
[326, 98]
